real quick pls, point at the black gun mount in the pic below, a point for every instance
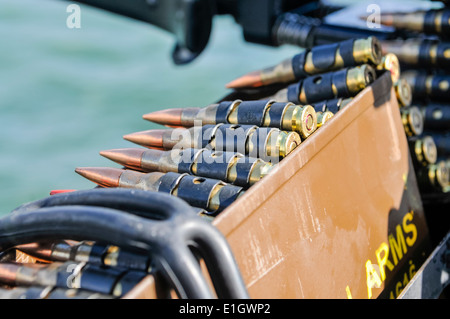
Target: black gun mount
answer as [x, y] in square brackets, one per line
[191, 20]
[267, 22]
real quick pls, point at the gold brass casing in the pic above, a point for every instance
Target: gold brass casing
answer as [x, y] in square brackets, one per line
[358, 78]
[425, 150]
[367, 51]
[403, 92]
[323, 117]
[412, 120]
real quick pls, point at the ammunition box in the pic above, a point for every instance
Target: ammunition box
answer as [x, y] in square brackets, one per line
[294, 236]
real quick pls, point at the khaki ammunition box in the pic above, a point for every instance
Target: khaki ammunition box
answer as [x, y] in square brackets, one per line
[340, 217]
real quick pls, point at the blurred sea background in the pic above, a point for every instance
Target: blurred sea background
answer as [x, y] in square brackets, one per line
[66, 94]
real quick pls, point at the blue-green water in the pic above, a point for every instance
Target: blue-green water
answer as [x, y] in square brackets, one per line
[66, 94]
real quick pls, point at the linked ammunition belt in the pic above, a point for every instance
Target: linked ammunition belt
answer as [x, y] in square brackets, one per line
[157, 209]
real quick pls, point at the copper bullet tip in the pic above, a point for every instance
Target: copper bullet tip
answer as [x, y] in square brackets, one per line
[171, 117]
[129, 157]
[103, 176]
[150, 138]
[252, 79]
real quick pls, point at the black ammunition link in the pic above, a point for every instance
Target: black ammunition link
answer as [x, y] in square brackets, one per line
[419, 87]
[244, 168]
[429, 22]
[442, 55]
[232, 137]
[442, 141]
[324, 56]
[65, 273]
[252, 112]
[169, 182]
[333, 105]
[196, 190]
[133, 261]
[424, 57]
[319, 107]
[228, 194]
[298, 65]
[187, 159]
[441, 27]
[320, 87]
[260, 140]
[96, 254]
[437, 89]
[223, 110]
[346, 52]
[276, 112]
[317, 87]
[214, 164]
[440, 87]
[340, 82]
[207, 133]
[439, 58]
[98, 279]
[293, 93]
[436, 117]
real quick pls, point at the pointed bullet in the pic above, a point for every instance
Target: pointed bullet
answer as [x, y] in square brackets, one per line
[145, 160]
[213, 195]
[264, 113]
[118, 177]
[128, 157]
[252, 79]
[195, 162]
[178, 117]
[341, 55]
[103, 176]
[428, 22]
[165, 117]
[150, 138]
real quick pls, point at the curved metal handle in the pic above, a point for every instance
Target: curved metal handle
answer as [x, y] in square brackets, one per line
[168, 233]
